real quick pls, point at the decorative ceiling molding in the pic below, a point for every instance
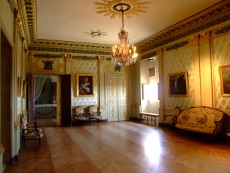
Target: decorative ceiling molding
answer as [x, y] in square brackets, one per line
[149, 55]
[85, 57]
[200, 22]
[47, 55]
[30, 7]
[97, 33]
[106, 7]
[223, 30]
[211, 18]
[70, 47]
[55, 56]
[177, 45]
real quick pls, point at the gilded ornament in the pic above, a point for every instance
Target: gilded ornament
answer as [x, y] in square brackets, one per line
[106, 7]
[206, 36]
[17, 19]
[195, 40]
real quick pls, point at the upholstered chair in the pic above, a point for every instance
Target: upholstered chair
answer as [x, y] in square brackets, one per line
[79, 114]
[94, 113]
[30, 131]
[171, 120]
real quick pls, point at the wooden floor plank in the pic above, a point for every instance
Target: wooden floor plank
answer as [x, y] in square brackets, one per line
[118, 147]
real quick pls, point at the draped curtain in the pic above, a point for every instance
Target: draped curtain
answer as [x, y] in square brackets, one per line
[39, 83]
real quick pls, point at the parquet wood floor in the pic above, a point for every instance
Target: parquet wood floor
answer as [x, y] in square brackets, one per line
[121, 147]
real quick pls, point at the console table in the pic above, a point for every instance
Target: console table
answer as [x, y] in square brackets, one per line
[153, 117]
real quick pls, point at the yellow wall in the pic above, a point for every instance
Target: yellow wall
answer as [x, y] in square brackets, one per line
[201, 57]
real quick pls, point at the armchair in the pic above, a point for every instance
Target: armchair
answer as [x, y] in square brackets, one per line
[94, 114]
[30, 131]
[79, 114]
[171, 121]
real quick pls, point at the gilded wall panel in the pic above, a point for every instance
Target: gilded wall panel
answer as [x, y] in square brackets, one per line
[46, 66]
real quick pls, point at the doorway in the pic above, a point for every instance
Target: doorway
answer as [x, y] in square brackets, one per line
[116, 97]
[5, 88]
[46, 104]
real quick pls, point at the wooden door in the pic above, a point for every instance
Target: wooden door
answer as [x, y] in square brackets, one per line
[116, 97]
[66, 103]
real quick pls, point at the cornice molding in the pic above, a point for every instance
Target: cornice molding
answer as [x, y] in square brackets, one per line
[177, 45]
[149, 55]
[222, 30]
[30, 7]
[206, 20]
[66, 56]
[215, 15]
[70, 47]
[47, 55]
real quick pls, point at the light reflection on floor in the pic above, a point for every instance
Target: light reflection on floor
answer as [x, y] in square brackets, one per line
[152, 148]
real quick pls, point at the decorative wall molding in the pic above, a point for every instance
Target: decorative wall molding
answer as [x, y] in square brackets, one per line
[85, 57]
[160, 52]
[195, 40]
[223, 30]
[177, 45]
[30, 7]
[17, 20]
[149, 55]
[68, 57]
[206, 36]
[70, 47]
[46, 55]
[202, 21]
[68, 50]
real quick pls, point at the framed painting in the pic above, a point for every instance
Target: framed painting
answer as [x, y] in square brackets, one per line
[225, 80]
[178, 84]
[19, 86]
[152, 72]
[85, 85]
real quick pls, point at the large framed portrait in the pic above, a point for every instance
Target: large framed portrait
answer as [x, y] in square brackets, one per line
[85, 85]
[178, 84]
[225, 80]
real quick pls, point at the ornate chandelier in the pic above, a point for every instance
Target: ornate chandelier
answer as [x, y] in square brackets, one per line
[123, 54]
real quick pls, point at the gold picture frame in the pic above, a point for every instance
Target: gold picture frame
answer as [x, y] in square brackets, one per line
[85, 85]
[19, 86]
[178, 84]
[24, 88]
[225, 80]
[152, 72]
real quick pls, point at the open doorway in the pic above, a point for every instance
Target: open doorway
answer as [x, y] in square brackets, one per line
[46, 104]
[5, 89]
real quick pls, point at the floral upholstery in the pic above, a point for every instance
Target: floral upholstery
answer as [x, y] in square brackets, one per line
[201, 119]
[30, 131]
[171, 121]
[94, 113]
[79, 113]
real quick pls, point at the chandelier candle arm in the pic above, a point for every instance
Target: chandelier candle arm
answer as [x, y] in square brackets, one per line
[123, 54]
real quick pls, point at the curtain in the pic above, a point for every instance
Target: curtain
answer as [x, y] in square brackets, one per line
[39, 83]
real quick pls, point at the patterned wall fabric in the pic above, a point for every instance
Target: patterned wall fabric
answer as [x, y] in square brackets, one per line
[84, 67]
[221, 57]
[178, 61]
